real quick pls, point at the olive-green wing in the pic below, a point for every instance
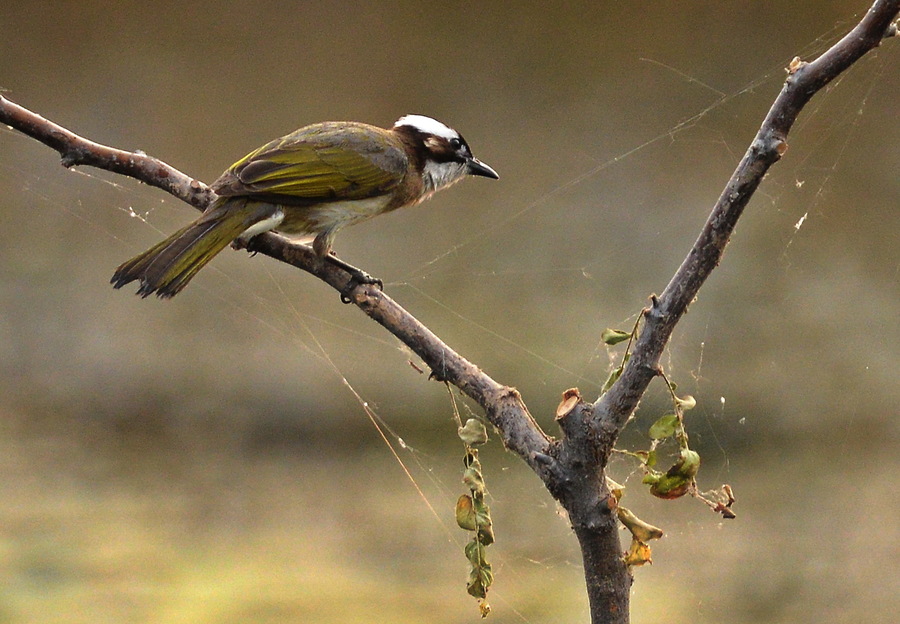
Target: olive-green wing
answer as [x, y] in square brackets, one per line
[323, 162]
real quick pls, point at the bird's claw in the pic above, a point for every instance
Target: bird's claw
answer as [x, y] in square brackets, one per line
[246, 244]
[358, 278]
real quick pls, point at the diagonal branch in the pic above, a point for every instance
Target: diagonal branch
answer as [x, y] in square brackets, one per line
[804, 80]
[502, 404]
[76, 150]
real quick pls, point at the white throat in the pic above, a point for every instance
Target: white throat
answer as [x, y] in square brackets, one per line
[437, 176]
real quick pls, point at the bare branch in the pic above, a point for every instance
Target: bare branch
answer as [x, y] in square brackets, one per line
[502, 404]
[804, 80]
[76, 150]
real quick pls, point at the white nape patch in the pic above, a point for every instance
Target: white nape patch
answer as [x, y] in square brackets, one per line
[264, 226]
[428, 126]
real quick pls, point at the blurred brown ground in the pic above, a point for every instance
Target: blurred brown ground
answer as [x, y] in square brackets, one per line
[200, 460]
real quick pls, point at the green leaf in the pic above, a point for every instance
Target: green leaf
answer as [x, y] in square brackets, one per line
[652, 477]
[670, 486]
[664, 427]
[479, 580]
[677, 480]
[614, 336]
[613, 377]
[475, 553]
[688, 465]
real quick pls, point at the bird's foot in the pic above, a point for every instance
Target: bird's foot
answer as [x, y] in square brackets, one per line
[245, 243]
[358, 278]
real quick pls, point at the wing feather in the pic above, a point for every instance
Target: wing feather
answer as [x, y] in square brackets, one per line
[319, 163]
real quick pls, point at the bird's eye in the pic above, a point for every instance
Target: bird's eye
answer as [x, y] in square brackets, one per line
[455, 143]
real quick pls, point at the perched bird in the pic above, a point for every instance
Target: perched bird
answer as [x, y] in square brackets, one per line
[313, 181]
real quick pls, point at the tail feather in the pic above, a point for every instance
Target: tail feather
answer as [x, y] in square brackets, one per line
[168, 266]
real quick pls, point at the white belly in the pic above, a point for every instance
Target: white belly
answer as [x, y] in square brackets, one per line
[331, 216]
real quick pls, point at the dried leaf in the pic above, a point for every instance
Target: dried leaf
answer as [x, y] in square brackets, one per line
[616, 489]
[483, 521]
[473, 433]
[639, 529]
[475, 552]
[480, 580]
[481, 577]
[796, 64]
[638, 554]
[465, 513]
[474, 480]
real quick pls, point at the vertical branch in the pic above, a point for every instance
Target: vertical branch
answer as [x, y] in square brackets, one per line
[591, 430]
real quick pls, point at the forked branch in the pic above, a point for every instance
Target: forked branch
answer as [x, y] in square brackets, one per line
[572, 468]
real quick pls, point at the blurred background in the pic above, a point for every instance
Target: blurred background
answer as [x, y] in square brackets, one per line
[211, 459]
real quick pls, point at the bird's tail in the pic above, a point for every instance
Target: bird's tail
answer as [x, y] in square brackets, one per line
[168, 266]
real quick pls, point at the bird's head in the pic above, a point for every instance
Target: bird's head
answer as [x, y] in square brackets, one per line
[444, 155]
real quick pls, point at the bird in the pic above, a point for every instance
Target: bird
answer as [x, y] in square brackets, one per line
[313, 181]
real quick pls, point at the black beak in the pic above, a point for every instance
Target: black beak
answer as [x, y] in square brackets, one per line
[478, 168]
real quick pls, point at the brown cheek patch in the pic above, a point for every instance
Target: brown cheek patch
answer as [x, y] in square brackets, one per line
[438, 149]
